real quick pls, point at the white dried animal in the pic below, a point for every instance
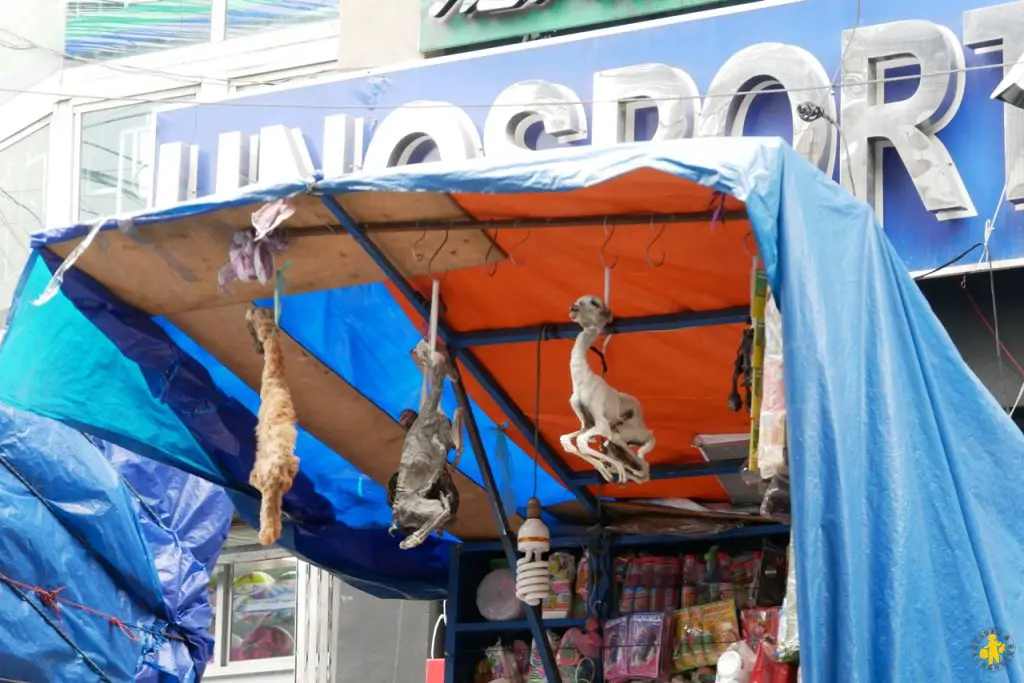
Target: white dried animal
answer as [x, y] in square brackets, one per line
[604, 412]
[424, 497]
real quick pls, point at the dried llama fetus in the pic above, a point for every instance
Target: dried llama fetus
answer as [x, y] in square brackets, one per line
[423, 498]
[603, 411]
[275, 465]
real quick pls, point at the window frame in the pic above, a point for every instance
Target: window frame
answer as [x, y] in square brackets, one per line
[44, 122]
[220, 665]
[171, 96]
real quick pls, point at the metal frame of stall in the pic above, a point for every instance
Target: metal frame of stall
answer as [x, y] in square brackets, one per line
[461, 344]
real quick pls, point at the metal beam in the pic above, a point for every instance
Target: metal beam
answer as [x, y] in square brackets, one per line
[573, 222]
[422, 306]
[533, 615]
[697, 469]
[651, 323]
[525, 426]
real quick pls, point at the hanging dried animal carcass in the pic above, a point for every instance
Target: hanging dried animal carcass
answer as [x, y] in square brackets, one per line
[423, 497]
[275, 465]
[602, 411]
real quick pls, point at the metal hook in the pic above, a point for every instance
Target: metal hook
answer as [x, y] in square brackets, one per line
[746, 246]
[430, 263]
[416, 255]
[491, 268]
[647, 251]
[512, 251]
[609, 234]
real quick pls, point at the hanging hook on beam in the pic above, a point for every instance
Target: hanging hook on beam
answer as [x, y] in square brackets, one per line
[657, 232]
[512, 252]
[416, 254]
[491, 268]
[430, 263]
[609, 233]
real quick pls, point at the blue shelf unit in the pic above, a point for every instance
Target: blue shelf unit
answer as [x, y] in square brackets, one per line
[468, 634]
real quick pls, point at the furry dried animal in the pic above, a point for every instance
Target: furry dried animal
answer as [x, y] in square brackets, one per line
[276, 465]
[743, 365]
[603, 411]
[424, 498]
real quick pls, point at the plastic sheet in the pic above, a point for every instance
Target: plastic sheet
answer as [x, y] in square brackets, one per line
[907, 492]
[116, 534]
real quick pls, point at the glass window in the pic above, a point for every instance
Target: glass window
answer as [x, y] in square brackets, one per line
[108, 29]
[117, 158]
[22, 202]
[215, 580]
[263, 610]
[253, 16]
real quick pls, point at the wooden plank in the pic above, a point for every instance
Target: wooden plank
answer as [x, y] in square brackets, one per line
[172, 267]
[329, 408]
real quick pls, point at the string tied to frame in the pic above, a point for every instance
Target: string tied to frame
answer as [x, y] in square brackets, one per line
[609, 233]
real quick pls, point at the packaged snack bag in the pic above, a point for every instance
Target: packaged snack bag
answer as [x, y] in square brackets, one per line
[563, 573]
[503, 663]
[688, 648]
[721, 629]
[758, 624]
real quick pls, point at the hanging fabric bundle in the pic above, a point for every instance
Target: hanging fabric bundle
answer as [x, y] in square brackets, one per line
[252, 252]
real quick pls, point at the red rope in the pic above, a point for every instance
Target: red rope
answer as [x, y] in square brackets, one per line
[992, 331]
[53, 600]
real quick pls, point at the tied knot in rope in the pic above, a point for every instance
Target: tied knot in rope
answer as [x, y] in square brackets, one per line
[50, 598]
[123, 627]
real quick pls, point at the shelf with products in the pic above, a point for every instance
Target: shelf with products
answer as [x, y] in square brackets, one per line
[474, 640]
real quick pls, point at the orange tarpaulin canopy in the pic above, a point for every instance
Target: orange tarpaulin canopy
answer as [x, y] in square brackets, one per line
[681, 377]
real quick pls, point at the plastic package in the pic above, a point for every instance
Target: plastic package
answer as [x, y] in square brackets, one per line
[616, 650]
[496, 596]
[789, 633]
[760, 624]
[535, 673]
[771, 444]
[776, 501]
[648, 634]
[771, 580]
[721, 629]
[736, 664]
[582, 593]
[503, 664]
[563, 574]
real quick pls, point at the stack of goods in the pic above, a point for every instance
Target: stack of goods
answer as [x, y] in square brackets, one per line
[720, 609]
[574, 657]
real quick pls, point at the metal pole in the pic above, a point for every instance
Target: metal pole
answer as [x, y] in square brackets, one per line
[421, 305]
[533, 616]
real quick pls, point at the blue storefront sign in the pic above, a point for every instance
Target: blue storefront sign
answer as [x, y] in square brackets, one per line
[933, 154]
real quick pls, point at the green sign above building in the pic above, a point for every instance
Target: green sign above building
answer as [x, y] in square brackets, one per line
[455, 23]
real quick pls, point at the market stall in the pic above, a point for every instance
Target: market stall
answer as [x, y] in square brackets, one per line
[896, 453]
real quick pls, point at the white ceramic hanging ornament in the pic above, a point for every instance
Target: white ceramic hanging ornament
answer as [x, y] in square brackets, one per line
[533, 577]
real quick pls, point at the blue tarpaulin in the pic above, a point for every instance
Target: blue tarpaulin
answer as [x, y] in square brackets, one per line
[116, 536]
[906, 495]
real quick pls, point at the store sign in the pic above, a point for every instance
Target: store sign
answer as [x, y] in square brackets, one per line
[931, 154]
[457, 23]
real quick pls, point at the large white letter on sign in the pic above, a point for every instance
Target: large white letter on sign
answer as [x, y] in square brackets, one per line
[752, 70]
[523, 104]
[619, 93]
[910, 124]
[992, 27]
[402, 132]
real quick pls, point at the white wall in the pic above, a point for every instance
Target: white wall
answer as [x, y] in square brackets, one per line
[21, 24]
[364, 22]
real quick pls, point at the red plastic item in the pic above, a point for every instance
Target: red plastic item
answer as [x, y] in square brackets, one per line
[435, 671]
